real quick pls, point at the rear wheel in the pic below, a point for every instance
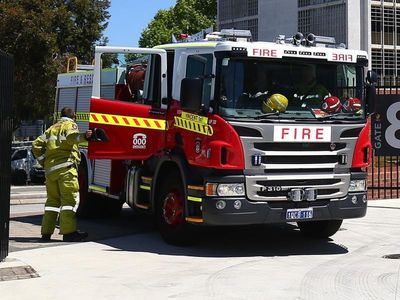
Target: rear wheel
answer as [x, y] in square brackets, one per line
[319, 229]
[171, 212]
[92, 205]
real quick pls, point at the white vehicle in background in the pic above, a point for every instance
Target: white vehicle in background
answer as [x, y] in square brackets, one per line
[24, 167]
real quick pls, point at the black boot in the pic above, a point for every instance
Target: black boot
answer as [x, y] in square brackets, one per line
[46, 238]
[76, 236]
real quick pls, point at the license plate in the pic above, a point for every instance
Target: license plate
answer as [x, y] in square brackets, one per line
[299, 213]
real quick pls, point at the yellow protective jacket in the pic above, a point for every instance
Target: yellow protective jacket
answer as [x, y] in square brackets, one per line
[57, 148]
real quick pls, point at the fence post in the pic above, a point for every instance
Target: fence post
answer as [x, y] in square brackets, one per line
[6, 126]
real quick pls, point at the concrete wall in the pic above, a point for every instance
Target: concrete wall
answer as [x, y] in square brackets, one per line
[276, 17]
[358, 24]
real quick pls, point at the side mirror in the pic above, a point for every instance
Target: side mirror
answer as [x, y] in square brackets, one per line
[191, 94]
[372, 77]
[99, 135]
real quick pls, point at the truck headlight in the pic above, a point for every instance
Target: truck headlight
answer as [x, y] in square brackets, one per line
[225, 189]
[358, 185]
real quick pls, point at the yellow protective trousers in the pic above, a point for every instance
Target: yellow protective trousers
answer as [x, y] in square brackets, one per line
[62, 201]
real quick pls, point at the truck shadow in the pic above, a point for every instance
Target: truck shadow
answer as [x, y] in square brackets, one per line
[137, 233]
[245, 241]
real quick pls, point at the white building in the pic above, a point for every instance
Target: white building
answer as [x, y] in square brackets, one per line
[369, 25]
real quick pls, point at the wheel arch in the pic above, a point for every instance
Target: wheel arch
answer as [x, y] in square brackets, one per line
[165, 166]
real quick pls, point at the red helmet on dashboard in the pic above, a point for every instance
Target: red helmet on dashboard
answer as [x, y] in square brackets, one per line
[331, 105]
[351, 105]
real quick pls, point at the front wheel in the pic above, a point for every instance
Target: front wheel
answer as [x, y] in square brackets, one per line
[319, 229]
[171, 212]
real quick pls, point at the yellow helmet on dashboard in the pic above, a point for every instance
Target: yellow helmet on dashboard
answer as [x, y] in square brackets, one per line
[277, 102]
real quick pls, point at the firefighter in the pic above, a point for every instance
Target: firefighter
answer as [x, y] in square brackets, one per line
[308, 90]
[57, 151]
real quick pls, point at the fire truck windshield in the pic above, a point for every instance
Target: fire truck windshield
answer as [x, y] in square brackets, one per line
[289, 89]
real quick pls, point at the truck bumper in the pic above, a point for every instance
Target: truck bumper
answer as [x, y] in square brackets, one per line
[275, 212]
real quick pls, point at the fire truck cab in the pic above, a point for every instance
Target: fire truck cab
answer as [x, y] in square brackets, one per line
[198, 143]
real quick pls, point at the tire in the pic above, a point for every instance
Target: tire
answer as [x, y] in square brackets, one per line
[319, 229]
[170, 212]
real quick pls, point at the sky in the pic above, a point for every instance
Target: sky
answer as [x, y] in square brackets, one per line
[129, 18]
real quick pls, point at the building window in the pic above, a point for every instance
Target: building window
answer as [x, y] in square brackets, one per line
[398, 63]
[303, 3]
[233, 9]
[389, 62]
[377, 61]
[397, 25]
[304, 21]
[388, 26]
[252, 8]
[252, 25]
[376, 25]
[324, 20]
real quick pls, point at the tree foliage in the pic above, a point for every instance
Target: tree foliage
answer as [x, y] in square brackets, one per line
[187, 16]
[40, 34]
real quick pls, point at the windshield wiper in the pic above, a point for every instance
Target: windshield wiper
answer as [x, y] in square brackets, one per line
[237, 117]
[267, 115]
[331, 116]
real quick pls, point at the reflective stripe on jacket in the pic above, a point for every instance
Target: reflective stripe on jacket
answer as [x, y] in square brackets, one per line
[58, 146]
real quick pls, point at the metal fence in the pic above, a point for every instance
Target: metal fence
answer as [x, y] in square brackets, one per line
[6, 91]
[383, 174]
[383, 179]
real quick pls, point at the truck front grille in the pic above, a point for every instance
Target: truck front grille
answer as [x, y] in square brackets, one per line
[274, 171]
[277, 187]
[299, 146]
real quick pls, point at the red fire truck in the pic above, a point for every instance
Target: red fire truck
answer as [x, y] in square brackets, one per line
[194, 140]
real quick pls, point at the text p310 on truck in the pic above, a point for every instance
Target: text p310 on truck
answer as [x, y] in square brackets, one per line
[225, 131]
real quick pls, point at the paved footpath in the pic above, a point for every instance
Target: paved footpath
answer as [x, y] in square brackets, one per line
[274, 262]
[27, 194]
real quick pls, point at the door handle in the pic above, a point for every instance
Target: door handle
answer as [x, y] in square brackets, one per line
[99, 135]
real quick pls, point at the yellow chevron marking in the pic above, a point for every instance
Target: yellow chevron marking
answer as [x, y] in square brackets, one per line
[194, 126]
[127, 121]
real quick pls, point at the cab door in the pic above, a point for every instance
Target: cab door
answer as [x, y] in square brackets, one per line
[133, 126]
